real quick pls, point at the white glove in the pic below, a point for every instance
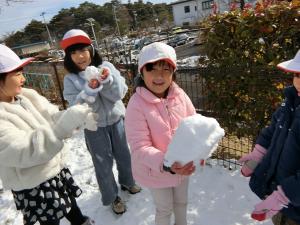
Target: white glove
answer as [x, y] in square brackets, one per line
[90, 122]
[71, 119]
[102, 74]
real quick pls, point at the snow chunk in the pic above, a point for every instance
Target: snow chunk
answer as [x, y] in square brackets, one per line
[196, 138]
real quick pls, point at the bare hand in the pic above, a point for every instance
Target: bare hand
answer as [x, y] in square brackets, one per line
[186, 169]
[105, 73]
[94, 83]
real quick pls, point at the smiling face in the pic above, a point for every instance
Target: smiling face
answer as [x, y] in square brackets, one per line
[11, 85]
[81, 58]
[158, 77]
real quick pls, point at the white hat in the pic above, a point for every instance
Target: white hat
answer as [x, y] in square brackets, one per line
[292, 65]
[75, 36]
[9, 61]
[157, 51]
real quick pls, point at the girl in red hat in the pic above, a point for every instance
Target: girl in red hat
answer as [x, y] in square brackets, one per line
[101, 86]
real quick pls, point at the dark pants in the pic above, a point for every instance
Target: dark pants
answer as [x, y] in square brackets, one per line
[106, 145]
[280, 219]
[74, 216]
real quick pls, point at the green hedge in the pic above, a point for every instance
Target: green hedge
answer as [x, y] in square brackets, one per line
[245, 47]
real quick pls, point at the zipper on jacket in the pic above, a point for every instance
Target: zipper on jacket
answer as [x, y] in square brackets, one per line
[165, 103]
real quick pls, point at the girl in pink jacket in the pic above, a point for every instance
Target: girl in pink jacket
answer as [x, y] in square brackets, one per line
[152, 116]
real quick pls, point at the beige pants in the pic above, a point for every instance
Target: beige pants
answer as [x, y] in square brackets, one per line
[169, 200]
[279, 219]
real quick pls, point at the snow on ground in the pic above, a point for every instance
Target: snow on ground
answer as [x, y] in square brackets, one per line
[217, 196]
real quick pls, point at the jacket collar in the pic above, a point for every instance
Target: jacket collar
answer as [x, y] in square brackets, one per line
[147, 95]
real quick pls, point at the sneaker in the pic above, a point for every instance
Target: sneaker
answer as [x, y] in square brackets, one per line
[118, 206]
[132, 190]
[88, 221]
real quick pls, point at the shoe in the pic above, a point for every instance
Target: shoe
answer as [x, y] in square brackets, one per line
[88, 221]
[132, 190]
[118, 206]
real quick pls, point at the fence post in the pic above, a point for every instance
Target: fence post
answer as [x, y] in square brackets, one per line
[59, 86]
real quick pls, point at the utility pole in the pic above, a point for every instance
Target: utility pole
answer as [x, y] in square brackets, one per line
[135, 22]
[50, 38]
[155, 16]
[115, 16]
[91, 20]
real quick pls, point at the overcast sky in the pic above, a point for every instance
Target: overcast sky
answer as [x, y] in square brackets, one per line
[17, 15]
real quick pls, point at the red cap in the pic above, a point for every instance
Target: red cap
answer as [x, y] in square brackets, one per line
[75, 36]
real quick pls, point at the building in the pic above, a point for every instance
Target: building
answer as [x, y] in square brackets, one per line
[188, 12]
[31, 49]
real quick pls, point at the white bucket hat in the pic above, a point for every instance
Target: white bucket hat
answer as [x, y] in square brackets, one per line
[292, 65]
[9, 61]
[75, 36]
[157, 51]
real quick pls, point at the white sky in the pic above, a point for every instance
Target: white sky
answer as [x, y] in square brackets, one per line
[17, 15]
[216, 196]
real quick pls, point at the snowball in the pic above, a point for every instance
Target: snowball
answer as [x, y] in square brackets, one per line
[196, 138]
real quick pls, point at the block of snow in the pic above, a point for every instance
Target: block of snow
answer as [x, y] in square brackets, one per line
[196, 138]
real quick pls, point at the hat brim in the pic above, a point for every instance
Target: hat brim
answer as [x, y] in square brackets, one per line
[75, 40]
[159, 59]
[289, 66]
[24, 62]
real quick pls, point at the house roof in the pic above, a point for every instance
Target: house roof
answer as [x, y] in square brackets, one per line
[181, 1]
[29, 45]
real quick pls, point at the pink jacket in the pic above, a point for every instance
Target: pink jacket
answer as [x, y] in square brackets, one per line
[150, 123]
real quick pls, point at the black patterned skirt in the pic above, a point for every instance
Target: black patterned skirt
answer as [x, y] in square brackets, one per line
[50, 200]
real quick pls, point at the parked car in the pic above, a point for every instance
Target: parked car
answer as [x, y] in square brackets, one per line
[134, 56]
[179, 39]
[143, 42]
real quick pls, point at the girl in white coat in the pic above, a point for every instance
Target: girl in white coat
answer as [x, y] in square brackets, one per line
[31, 148]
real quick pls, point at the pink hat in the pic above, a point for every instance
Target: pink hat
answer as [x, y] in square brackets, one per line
[75, 36]
[157, 51]
[292, 65]
[9, 61]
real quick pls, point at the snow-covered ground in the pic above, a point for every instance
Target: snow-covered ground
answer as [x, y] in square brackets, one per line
[217, 196]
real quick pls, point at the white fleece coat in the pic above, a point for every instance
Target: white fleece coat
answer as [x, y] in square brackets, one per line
[30, 153]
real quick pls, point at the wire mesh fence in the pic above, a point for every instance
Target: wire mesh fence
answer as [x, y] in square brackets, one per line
[206, 92]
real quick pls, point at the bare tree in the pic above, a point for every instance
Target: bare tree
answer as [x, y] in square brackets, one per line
[8, 2]
[5, 3]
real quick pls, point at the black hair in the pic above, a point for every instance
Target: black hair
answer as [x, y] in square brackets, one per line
[139, 81]
[4, 75]
[71, 67]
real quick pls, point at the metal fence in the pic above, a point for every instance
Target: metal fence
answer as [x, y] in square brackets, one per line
[47, 78]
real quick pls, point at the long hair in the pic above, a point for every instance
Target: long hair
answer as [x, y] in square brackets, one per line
[71, 67]
[3, 77]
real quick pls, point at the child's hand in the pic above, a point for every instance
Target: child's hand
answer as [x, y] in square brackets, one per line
[105, 73]
[186, 169]
[92, 72]
[94, 83]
